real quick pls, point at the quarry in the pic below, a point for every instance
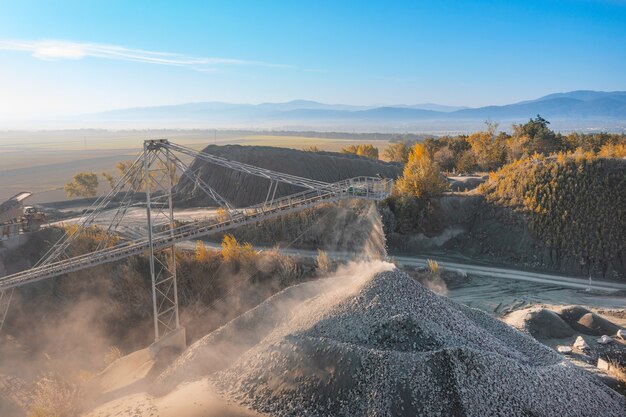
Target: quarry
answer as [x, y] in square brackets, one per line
[313, 208]
[317, 318]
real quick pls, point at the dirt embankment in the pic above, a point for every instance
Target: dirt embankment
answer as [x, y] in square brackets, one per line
[242, 189]
[350, 226]
[469, 225]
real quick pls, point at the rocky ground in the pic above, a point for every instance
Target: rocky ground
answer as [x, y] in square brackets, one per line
[382, 344]
[593, 339]
[371, 340]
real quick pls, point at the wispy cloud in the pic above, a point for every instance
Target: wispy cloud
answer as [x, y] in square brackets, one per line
[62, 49]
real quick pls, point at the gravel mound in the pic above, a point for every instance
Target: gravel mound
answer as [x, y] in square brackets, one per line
[382, 344]
[243, 189]
[541, 323]
[587, 322]
[572, 314]
[593, 324]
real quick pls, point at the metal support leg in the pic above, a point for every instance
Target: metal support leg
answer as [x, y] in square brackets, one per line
[274, 193]
[146, 165]
[269, 192]
[5, 303]
[159, 173]
[171, 173]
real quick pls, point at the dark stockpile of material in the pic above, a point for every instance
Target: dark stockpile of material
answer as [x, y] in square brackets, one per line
[243, 189]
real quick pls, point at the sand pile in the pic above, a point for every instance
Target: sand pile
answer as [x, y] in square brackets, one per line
[541, 323]
[587, 322]
[382, 344]
[561, 322]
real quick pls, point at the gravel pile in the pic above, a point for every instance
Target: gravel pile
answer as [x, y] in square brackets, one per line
[382, 344]
[242, 189]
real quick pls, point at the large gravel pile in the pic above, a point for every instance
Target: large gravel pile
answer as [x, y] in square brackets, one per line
[242, 189]
[381, 345]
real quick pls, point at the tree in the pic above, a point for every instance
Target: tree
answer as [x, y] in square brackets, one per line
[421, 176]
[533, 137]
[136, 182]
[613, 151]
[397, 152]
[433, 144]
[110, 179]
[323, 262]
[459, 146]
[488, 147]
[433, 266]
[234, 252]
[84, 184]
[467, 162]
[444, 157]
[123, 167]
[201, 253]
[222, 214]
[368, 151]
[136, 178]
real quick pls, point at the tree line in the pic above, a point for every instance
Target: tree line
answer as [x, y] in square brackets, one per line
[482, 151]
[570, 188]
[490, 149]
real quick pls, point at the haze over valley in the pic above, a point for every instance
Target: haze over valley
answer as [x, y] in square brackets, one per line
[571, 111]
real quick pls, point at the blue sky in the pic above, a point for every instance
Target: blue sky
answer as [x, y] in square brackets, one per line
[62, 57]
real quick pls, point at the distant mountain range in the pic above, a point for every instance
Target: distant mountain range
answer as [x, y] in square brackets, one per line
[581, 109]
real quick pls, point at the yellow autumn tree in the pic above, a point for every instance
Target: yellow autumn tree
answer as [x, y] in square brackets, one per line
[610, 150]
[368, 151]
[84, 184]
[136, 178]
[489, 148]
[397, 152]
[421, 176]
[233, 251]
[222, 214]
[110, 179]
[554, 195]
[201, 253]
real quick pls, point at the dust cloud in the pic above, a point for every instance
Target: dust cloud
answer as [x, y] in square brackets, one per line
[67, 329]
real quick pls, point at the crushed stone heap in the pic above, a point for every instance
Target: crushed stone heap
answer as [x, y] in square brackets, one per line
[380, 345]
[242, 189]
